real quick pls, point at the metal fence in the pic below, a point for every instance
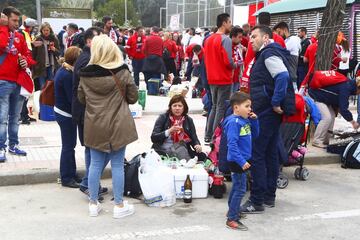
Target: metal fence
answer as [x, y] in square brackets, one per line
[198, 13]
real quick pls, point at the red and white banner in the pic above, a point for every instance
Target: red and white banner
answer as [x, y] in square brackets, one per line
[244, 14]
[272, 1]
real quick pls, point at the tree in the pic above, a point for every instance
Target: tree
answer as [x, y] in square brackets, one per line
[332, 18]
[116, 10]
[76, 3]
[26, 7]
[149, 10]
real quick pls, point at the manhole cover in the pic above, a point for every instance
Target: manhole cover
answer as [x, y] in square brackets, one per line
[32, 141]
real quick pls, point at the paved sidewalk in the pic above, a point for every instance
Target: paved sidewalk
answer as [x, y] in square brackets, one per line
[42, 142]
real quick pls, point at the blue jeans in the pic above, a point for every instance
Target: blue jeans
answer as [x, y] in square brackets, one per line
[98, 159]
[137, 65]
[301, 73]
[68, 144]
[265, 160]
[84, 182]
[238, 191]
[235, 87]
[49, 75]
[10, 108]
[358, 108]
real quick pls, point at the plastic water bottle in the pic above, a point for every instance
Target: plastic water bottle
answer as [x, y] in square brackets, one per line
[142, 94]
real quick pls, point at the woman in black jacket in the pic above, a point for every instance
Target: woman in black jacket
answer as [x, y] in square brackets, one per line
[175, 126]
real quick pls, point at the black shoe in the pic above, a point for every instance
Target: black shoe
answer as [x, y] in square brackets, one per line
[250, 208]
[78, 179]
[32, 119]
[71, 184]
[25, 122]
[269, 204]
[84, 190]
[102, 191]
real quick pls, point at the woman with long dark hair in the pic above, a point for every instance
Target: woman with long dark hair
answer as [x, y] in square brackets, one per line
[345, 58]
[45, 54]
[176, 127]
[180, 54]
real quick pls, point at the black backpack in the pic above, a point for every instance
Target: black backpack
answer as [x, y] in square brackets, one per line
[351, 155]
[132, 186]
[79, 40]
[166, 53]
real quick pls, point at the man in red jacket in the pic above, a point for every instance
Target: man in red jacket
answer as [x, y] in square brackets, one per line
[153, 48]
[219, 69]
[14, 56]
[171, 49]
[136, 53]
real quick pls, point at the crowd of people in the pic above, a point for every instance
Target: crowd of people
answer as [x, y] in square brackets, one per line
[258, 69]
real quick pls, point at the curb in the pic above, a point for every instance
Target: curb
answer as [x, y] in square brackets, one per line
[37, 176]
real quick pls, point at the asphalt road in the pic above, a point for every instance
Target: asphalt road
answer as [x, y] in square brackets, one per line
[324, 207]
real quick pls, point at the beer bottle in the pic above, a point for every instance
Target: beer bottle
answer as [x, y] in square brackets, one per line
[187, 190]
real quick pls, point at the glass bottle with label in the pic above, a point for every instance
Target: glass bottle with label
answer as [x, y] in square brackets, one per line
[187, 190]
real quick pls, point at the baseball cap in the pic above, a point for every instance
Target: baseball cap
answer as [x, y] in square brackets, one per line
[198, 30]
[29, 22]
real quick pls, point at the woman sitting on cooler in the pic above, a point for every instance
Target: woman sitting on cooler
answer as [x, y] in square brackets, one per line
[175, 126]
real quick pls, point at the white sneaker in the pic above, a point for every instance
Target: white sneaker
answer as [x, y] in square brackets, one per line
[127, 210]
[94, 209]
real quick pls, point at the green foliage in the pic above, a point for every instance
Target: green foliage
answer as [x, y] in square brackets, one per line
[149, 10]
[116, 10]
[26, 7]
[76, 3]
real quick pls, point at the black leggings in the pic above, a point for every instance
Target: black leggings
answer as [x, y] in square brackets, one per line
[170, 66]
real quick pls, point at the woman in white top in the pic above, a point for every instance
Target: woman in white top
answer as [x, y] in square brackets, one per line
[345, 58]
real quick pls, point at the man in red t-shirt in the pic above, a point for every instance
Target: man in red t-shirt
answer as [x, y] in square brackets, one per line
[171, 48]
[310, 55]
[219, 69]
[310, 58]
[136, 53]
[14, 57]
[153, 49]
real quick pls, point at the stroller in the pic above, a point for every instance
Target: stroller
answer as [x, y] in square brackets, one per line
[294, 133]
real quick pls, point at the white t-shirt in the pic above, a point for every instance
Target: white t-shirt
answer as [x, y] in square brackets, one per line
[293, 45]
[344, 66]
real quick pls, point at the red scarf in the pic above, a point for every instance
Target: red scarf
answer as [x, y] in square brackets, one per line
[180, 135]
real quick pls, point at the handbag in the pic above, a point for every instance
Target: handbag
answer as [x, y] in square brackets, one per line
[47, 95]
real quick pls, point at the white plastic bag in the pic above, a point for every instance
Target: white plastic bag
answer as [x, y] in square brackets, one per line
[156, 181]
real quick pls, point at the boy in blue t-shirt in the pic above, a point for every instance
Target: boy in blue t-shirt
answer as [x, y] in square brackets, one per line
[240, 128]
